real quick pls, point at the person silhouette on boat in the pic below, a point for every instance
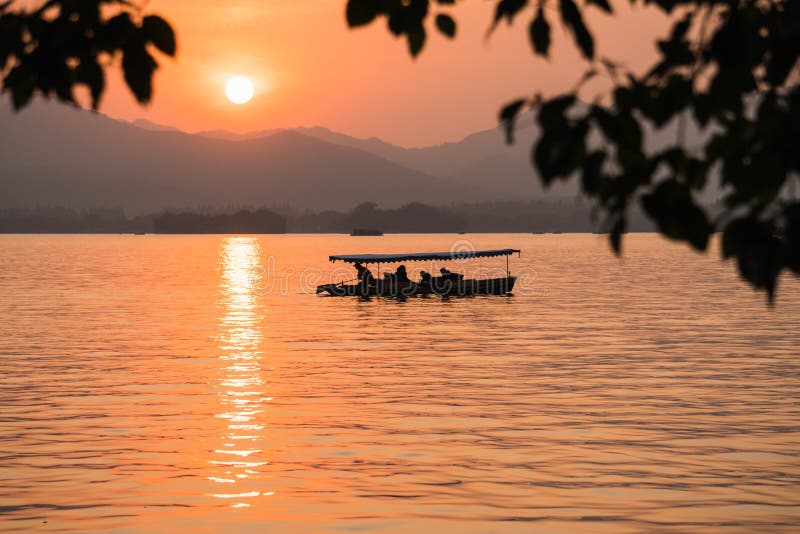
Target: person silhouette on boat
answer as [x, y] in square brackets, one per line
[401, 275]
[449, 278]
[364, 275]
[425, 278]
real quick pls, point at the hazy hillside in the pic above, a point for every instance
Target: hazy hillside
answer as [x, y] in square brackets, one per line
[56, 155]
[154, 126]
[481, 160]
[484, 160]
[439, 160]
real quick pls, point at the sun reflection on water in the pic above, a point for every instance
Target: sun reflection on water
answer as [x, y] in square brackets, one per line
[242, 387]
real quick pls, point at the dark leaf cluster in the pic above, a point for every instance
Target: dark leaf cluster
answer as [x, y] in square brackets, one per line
[404, 18]
[67, 43]
[729, 68]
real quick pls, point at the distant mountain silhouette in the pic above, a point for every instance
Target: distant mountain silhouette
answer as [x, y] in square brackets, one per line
[484, 160]
[54, 155]
[154, 126]
[481, 160]
[233, 136]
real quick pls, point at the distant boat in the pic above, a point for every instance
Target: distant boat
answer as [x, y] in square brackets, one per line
[366, 232]
[139, 233]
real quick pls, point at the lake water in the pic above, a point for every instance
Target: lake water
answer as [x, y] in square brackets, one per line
[165, 383]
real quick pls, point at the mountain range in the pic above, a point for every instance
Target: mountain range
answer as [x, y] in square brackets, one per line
[57, 155]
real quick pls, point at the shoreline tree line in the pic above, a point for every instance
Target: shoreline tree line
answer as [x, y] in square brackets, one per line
[416, 217]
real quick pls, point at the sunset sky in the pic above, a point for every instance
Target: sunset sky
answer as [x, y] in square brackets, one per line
[309, 69]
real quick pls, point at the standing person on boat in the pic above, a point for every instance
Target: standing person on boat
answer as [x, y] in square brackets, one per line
[364, 275]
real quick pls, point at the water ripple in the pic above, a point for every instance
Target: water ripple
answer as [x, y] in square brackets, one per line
[154, 384]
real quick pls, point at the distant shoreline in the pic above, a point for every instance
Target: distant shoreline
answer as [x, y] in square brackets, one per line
[536, 217]
[355, 238]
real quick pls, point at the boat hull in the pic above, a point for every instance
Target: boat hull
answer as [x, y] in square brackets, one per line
[438, 286]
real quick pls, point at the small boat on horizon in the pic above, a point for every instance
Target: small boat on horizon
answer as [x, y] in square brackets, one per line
[360, 232]
[447, 285]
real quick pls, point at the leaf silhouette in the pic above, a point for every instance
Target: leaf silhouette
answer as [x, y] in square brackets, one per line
[160, 33]
[572, 18]
[446, 25]
[539, 33]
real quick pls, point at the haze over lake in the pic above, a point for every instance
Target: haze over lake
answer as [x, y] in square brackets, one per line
[169, 383]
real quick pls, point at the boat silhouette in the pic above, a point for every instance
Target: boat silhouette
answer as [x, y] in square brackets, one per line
[447, 285]
[366, 232]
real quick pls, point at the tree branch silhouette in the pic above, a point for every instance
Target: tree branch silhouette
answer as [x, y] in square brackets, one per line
[68, 43]
[730, 65]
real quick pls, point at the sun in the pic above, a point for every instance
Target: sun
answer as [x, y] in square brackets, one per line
[239, 90]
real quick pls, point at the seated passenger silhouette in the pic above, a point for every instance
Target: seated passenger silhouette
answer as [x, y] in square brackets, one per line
[425, 278]
[364, 274]
[401, 275]
[450, 275]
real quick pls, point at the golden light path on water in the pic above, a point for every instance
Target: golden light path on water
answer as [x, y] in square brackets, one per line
[242, 388]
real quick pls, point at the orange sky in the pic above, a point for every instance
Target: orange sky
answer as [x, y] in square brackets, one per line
[309, 69]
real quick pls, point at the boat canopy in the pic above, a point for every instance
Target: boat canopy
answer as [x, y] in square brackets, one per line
[423, 256]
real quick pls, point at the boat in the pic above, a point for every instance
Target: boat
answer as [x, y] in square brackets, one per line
[448, 285]
[366, 232]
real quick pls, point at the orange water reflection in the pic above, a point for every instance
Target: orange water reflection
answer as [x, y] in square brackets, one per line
[242, 386]
[655, 393]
